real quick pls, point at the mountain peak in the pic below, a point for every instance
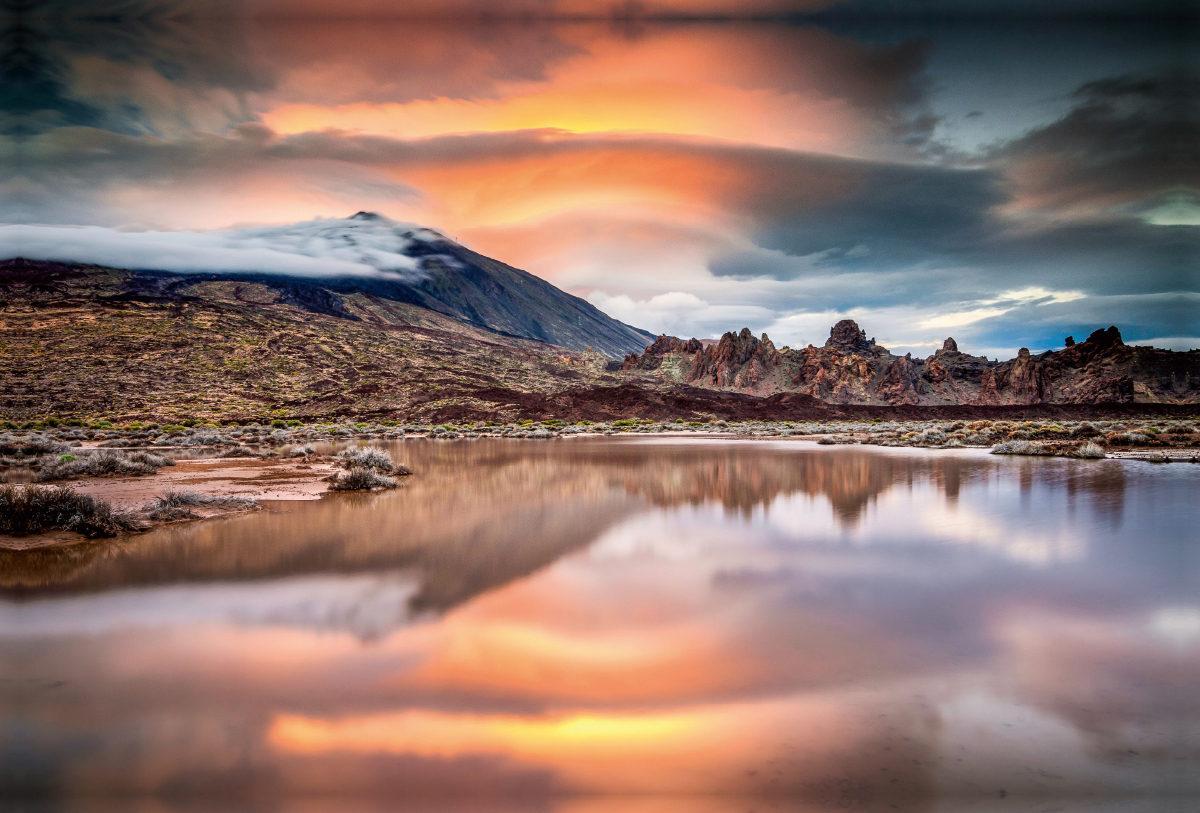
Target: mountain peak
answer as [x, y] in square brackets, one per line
[847, 334]
[366, 216]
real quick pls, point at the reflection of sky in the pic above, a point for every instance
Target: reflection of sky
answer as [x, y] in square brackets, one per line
[1009, 181]
[977, 624]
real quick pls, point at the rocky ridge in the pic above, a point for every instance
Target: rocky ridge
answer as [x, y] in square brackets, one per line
[852, 369]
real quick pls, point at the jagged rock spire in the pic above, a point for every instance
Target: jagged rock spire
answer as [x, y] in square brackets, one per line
[846, 334]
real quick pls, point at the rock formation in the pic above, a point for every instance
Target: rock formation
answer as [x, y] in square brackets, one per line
[852, 369]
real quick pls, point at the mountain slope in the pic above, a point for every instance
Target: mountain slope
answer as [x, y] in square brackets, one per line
[315, 265]
[84, 340]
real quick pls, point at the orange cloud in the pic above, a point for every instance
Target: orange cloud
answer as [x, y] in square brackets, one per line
[711, 83]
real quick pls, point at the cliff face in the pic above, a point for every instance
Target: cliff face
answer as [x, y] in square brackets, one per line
[852, 369]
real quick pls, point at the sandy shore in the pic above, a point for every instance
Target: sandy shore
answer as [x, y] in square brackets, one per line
[246, 477]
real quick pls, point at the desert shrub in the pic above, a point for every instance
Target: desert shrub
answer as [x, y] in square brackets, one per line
[1128, 439]
[175, 505]
[30, 446]
[931, 437]
[377, 459]
[105, 463]
[1180, 429]
[28, 510]
[1085, 430]
[1089, 451]
[1021, 447]
[363, 479]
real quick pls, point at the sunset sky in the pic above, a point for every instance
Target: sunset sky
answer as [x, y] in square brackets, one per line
[1005, 181]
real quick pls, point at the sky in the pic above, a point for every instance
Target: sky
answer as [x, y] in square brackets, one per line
[930, 169]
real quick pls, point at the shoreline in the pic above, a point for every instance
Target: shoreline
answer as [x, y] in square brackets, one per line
[285, 465]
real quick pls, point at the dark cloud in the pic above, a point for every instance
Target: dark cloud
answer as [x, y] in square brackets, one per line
[1128, 141]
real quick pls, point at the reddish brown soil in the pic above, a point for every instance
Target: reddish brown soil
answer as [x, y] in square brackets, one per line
[633, 401]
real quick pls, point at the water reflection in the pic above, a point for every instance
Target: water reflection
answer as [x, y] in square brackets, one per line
[805, 625]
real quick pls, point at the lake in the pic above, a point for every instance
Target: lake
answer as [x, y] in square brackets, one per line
[653, 625]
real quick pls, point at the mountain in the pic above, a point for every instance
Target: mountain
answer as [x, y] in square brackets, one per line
[852, 369]
[89, 341]
[316, 264]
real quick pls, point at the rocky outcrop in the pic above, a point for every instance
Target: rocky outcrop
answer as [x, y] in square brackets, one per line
[852, 369]
[739, 361]
[663, 346]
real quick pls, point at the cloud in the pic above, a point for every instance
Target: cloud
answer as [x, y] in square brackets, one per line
[317, 248]
[1128, 144]
[678, 313]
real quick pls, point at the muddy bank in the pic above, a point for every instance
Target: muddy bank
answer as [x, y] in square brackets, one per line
[193, 490]
[633, 401]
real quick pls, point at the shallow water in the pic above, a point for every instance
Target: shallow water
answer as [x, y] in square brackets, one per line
[644, 625]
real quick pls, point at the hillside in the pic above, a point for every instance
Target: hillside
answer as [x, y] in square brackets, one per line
[91, 341]
[317, 264]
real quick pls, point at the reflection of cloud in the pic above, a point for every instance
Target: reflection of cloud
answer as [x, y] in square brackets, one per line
[771, 649]
[1132, 696]
[365, 606]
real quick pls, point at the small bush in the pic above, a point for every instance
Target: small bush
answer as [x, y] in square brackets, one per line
[377, 459]
[1021, 447]
[28, 510]
[105, 463]
[174, 505]
[1089, 451]
[363, 479]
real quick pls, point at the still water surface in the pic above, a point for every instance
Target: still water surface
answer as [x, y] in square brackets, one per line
[646, 625]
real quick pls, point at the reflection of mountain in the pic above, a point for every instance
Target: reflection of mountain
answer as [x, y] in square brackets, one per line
[743, 479]
[478, 515]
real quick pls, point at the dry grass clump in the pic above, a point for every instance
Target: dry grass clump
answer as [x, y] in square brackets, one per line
[1087, 450]
[26, 510]
[176, 505]
[374, 459]
[104, 463]
[31, 446]
[361, 478]
[1021, 447]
